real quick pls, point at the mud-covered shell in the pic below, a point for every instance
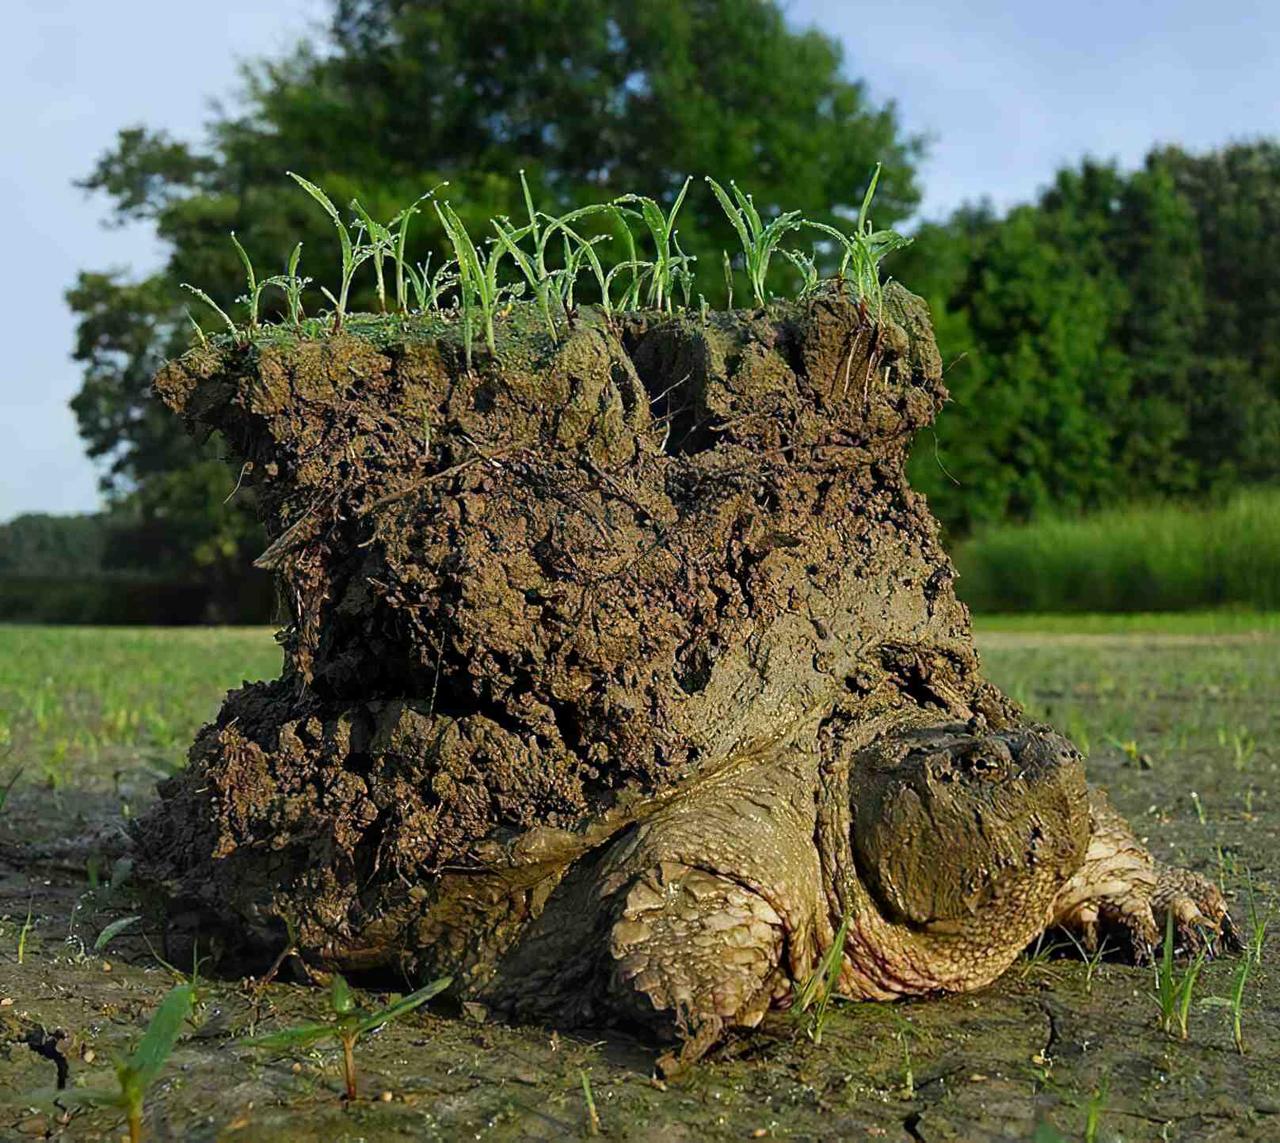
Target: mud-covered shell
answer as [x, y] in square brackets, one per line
[530, 599]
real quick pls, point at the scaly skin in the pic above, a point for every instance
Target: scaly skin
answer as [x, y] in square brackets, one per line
[949, 848]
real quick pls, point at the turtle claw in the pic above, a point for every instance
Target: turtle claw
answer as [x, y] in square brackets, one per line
[1232, 942]
[1142, 951]
[1201, 920]
[1120, 889]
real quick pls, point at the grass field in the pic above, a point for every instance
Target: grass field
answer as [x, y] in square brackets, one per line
[1179, 717]
[80, 703]
[1165, 557]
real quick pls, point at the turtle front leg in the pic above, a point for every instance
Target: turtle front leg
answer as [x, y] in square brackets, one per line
[716, 906]
[1121, 888]
[698, 951]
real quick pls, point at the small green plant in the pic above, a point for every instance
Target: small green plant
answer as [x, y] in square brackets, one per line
[354, 252]
[759, 241]
[252, 297]
[479, 290]
[807, 266]
[1174, 989]
[23, 933]
[400, 250]
[390, 240]
[349, 1023]
[1258, 922]
[113, 930]
[593, 1116]
[291, 284]
[208, 301]
[863, 250]
[139, 1071]
[1091, 959]
[1133, 754]
[818, 989]
[668, 258]
[1199, 808]
[429, 288]
[1039, 957]
[552, 254]
[1242, 743]
[381, 244]
[1094, 1106]
[1234, 1004]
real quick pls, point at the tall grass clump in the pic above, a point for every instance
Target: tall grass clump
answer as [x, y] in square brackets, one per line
[1163, 557]
[547, 255]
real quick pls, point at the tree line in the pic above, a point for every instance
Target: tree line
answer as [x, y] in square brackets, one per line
[1112, 340]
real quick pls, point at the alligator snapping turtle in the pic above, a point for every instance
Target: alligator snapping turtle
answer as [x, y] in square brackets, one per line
[621, 674]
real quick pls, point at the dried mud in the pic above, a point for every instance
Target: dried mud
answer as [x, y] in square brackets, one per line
[529, 602]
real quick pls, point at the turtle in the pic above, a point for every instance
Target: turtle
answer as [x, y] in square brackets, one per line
[625, 680]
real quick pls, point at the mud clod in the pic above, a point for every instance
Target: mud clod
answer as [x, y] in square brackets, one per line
[531, 600]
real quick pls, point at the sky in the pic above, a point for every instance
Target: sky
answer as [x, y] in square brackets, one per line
[1006, 90]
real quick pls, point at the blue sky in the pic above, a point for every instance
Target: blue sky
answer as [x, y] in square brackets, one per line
[1007, 90]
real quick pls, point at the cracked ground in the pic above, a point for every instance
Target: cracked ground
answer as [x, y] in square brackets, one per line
[1179, 723]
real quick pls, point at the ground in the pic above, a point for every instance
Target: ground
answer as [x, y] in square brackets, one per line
[1179, 717]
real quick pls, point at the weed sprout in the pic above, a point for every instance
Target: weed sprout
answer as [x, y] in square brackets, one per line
[139, 1071]
[759, 241]
[349, 1023]
[665, 283]
[353, 253]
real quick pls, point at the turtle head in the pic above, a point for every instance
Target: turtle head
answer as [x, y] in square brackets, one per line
[962, 840]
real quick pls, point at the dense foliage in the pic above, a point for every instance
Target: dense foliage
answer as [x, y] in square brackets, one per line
[1154, 557]
[1119, 339]
[125, 566]
[1115, 339]
[41, 544]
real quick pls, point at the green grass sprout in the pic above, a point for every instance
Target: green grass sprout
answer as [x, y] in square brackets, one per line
[208, 301]
[480, 293]
[139, 1071]
[1234, 1004]
[820, 987]
[429, 288]
[252, 297]
[863, 250]
[807, 265]
[759, 241]
[291, 284]
[550, 256]
[593, 1116]
[353, 253]
[662, 228]
[1174, 989]
[349, 1023]
[113, 930]
[23, 933]
[400, 223]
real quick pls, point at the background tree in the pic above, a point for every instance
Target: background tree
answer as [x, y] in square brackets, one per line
[592, 97]
[1116, 340]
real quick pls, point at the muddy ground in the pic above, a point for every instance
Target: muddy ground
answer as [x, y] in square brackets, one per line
[1182, 729]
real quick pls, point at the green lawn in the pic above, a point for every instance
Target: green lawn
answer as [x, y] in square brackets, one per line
[81, 701]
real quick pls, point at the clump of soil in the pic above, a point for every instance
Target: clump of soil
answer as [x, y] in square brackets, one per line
[528, 599]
